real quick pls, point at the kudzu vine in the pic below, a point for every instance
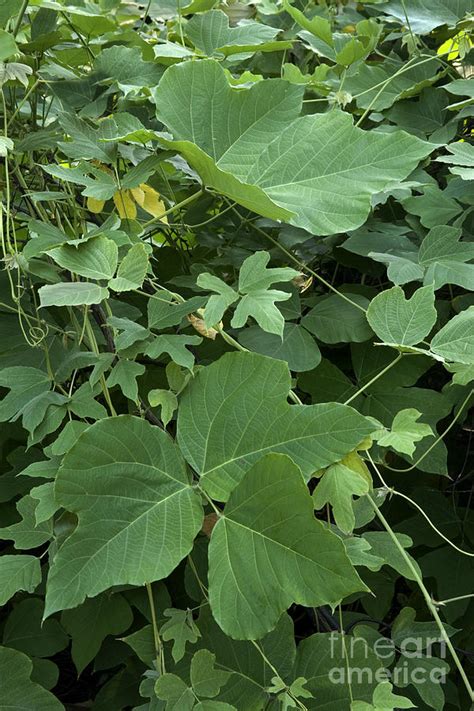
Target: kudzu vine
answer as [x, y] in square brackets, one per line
[237, 355]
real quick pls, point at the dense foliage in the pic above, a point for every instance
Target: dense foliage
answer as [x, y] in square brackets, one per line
[236, 357]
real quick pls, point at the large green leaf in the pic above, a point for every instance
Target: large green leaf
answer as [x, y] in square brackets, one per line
[425, 15]
[335, 320]
[321, 659]
[444, 256]
[456, 340]
[318, 172]
[264, 555]
[90, 624]
[138, 515]
[73, 293]
[17, 691]
[94, 258]
[26, 631]
[379, 85]
[297, 347]
[400, 321]
[236, 410]
[210, 32]
[251, 673]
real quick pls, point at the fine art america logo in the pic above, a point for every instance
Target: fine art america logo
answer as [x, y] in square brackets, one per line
[360, 661]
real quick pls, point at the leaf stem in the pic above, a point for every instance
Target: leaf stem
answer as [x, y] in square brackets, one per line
[393, 491]
[160, 660]
[374, 379]
[429, 602]
[175, 207]
[439, 603]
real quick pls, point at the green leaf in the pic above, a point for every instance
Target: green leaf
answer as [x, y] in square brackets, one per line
[426, 15]
[18, 572]
[400, 321]
[132, 270]
[175, 691]
[116, 518]
[455, 341]
[90, 624]
[462, 159]
[27, 533]
[8, 46]
[210, 32]
[337, 486]
[17, 691]
[165, 399]
[250, 673]
[254, 274]
[86, 141]
[321, 660]
[297, 347]
[260, 305]
[318, 26]
[383, 547]
[95, 258]
[384, 700]
[175, 346]
[163, 312]
[294, 557]
[77, 293]
[25, 384]
[126, 66]
[257, 299]
[125, 374]
[434, 207]
[218, 304]
[443, 256]
[379, 85]
[205, 678]
[235, 411]
[142, 643]
[318, 172]
[181, 628]
[405, 431]
[26, 631]
[334, 320]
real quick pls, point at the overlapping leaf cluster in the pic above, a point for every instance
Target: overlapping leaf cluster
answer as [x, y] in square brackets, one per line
[237, 355]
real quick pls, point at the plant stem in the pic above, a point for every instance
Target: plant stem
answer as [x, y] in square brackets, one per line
[453, 599]
[160, 660]
[429, 602]
[175, 207]
[19, 19]
[375, 378]
[413, 503]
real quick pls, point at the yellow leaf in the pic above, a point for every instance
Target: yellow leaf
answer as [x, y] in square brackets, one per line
[94, 205]
[125, 205]
[458, 45]
[152, 203]
[138, 196]
[355, 462]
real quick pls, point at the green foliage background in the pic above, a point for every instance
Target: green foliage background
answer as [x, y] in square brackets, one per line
[237, 354]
